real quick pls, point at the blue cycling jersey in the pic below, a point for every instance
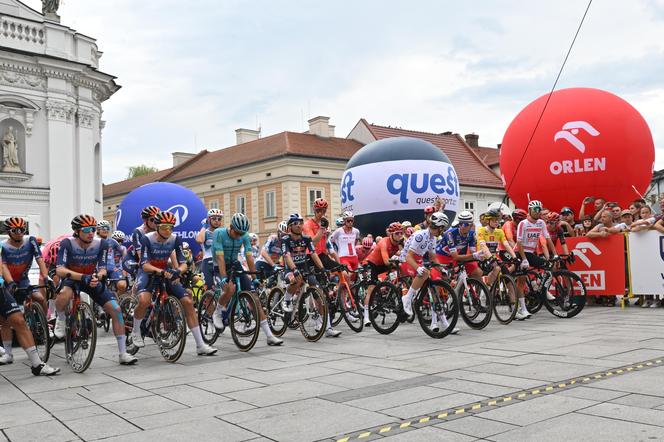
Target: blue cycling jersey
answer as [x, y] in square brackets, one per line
[157, 252]
[454, 241]
[115, 254]
[84, 258]
[224, 245]
[18, 259]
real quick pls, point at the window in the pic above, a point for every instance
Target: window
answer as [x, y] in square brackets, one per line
[214, 204]
[314, 194]
[270, 204]
[240, 205]
[469, 205]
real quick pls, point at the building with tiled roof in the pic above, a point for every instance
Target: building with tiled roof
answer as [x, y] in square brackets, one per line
[489, 155]
[480, 186]
[266, 178]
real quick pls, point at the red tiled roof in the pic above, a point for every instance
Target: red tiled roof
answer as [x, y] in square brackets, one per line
[468, 165]
[278, 145]
[489, 155]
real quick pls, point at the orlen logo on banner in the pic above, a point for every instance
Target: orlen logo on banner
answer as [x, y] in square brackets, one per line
[181, 213]
[593, 279]
[569, 134]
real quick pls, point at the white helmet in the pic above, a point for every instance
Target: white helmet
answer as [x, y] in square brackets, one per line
[406, 224]
[283, 227]
[465, 217]
[347, 214]
[439, 219]
[534, 204]
[118, 235]
[253, 236]
[103, 224]
[215, 212]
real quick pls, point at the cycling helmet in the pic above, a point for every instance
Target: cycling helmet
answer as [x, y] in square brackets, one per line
[185, 245]
[519, 215]
[283, 227]
[378, 238]
[409, 231]
[118, 235]
[347, 214]
[534, 204]
[553, 216]
[294, 218]
[339, 222]
[81, 221]
[240, 222]
[149, 212]
[465, 217]
[320, 203]
[15, 222]
[40, 240]
[215, 212]
[165, 218]
[253, 236]
[367, 243]
[103, 224]
[406, 224]
[394, 228]
[428, 210]
[493, 214]
[439, 219]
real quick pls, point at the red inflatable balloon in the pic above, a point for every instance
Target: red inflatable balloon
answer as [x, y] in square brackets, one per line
[588, 143]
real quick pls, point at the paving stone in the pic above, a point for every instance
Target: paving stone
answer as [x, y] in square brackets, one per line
[307, 420]
[62, 399]
[21, 413]
[351, 380]
[113, 392]
[428, 434]
[648, 382]
[210, 429]
[226, 385]
[79, 412]
[188, 395]
[287, 374]
[431, 406]
[536, 410]
[10, 393]
[627, 413]
[102, 426]
[189, 414]
[382, 388]
[639, 400]
[476, 426]
[515, 381]
[49, 431]
[145, 406]
[590, 393]
[398, 398]
[280, 393]
[473, 387]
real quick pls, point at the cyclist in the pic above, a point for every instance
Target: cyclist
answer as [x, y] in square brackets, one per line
[156, 250]
[226, 245]
[118, 257]
[255, 247]
[509, 227]
[428, 211]
[204, 238]
[317, 228]
[379, 260]
[115, 254]
[528, 237]
[345, 239]
[298, 252]
[459, 244]
[82, 261]
[556, 231]
[412, 256]
[363, 250]
[147, 215]
[271, 251]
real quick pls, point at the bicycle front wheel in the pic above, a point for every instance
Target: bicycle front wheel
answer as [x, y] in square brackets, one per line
[169, 329]
[277, 318]
[476, 303]
[350, 309]
[36, 321]
[206, 308]
[385, 307]
[504, 299]
[312, 314]
[244, 321]
[565, 295]
[80, 338]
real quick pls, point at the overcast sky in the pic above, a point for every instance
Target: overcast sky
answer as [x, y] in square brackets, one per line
[194, 71]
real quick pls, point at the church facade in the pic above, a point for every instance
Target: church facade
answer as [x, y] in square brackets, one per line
[51, 95]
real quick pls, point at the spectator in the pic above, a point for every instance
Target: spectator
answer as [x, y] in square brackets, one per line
[659, 224]
[647, 220]
[606, 226]
[612, 207]
[626, 218]
[598, 204]
[584, 226]
[567, 221]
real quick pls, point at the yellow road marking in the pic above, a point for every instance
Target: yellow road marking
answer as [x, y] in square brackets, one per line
[520, 395]
[609, 373]
[586, 379]
[385, 430]
[363, 435]
[404, 425]
[597, 376]
[476, 406]
[442, 415]
[507, 399]
[572, 382]
[345, 439]
[619, 371]
[492, 402]
[659, 361]
[459, 411]
[548, 388]
[535, 392]
[648, 363]
[561, 385]
[629, 368]
[424, 419]
[639, 366]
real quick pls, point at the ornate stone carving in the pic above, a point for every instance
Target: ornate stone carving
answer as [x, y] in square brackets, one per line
[86, 117]
[21, 79]
[59, 110]
[29, 121]
[50, 6]
[10, 152]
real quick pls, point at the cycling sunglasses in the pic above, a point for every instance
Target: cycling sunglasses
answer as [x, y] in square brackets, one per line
[536, 209]
[17, 231]
[88, 229]
[465, 224]
[215, 218]
[166, 226]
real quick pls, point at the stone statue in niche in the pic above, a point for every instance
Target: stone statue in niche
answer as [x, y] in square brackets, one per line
[10, 152]
[50, 6]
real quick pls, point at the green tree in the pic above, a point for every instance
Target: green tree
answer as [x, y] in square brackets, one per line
[139, 170]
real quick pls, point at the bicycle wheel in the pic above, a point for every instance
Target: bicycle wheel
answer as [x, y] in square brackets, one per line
[127, 306]
[350, 309]
[334, 305]
[504, 299]
[169, 329]
[80, 338]
[405, 284]
[385, 308]
[565, 294]
[277, 318]
[476, 303]
[206, 308]
[435, 305]
[312, 314]
[532, 294]
[36, 321]
[244, 321]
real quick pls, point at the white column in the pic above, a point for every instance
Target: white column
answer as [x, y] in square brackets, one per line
[254, 209]
[87, 182]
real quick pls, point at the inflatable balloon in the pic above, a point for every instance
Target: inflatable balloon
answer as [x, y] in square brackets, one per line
[188, 208]
[588, 143]
[394, 180]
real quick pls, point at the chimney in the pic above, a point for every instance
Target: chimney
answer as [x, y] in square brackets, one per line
[499, 145]
[181, 157]
[246, 135]
[320, 126]
[472, 140]
[331, 131]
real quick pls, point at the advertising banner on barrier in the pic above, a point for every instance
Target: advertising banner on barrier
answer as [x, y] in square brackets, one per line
[600, 263]
[646, 262]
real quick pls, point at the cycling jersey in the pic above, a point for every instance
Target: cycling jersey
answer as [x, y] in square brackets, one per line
[158, 253]
[383, 251]
[557, 234]
[255, 251]
[207, 244]
[509, 229]
[345, 241]
[273, 248]
[83, 260]
[311, 228]
[19, 259]
[115, 254]
[420, 242]
[298, 249]
[362, 252]
[491, 239]
[229, 248]
[454, 241]
[136, 237]
[528, 234]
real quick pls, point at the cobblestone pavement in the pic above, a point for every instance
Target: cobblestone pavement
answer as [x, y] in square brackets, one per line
[594, 377]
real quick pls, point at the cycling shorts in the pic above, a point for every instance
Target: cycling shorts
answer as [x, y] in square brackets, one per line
[535, 260]
[470, 266]
[350, 261]
[145, 283]
[8, 305]
[99, 294]
[375, 271]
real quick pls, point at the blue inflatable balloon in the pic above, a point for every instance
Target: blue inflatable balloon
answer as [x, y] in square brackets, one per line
[188, 208]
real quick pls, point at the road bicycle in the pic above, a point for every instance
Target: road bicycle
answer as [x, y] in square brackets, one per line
[80, 330]
[434, 299]
[35, 317]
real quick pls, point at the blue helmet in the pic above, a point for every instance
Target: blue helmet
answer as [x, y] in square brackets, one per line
[294, 218]
[240, 222]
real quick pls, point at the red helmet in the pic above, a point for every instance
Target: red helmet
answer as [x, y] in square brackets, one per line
[320, 203]
[553, 216]
[15, 222]
[428, 210]
[83, 221]
[367, 243]
[519, 215]
[165, 218]
[149, 212]
[394, 228]
[409, 231]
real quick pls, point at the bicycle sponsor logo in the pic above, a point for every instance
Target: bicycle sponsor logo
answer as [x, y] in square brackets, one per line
[569, 133]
